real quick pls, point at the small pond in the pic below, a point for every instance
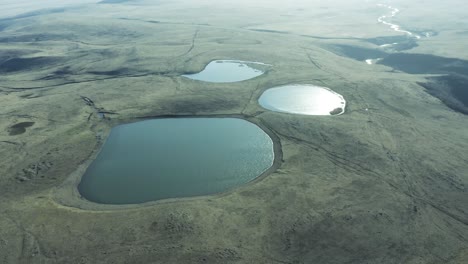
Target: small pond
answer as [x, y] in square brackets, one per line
[227, 71]
[19, 128]
[303, 99]
[176, 157]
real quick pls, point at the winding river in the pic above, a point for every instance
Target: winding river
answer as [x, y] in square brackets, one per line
[386, 20]
[393, 12]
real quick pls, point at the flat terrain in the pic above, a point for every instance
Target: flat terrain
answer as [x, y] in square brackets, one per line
[386, 182]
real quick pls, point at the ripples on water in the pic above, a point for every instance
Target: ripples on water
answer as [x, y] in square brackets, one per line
[176, 157]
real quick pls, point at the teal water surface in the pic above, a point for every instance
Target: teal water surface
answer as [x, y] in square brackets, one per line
[176, 157]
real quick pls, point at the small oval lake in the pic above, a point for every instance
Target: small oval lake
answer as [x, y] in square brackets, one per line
[303, 99]
[226, 71]
[176, 157]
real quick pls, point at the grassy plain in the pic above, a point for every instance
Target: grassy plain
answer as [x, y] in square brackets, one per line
[383, 183]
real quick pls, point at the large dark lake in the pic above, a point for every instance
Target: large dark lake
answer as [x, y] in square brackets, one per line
[176, 157]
